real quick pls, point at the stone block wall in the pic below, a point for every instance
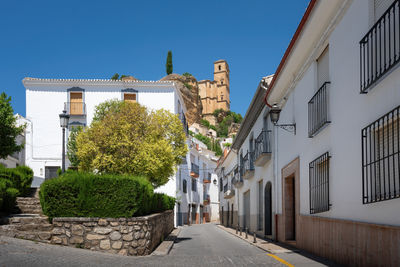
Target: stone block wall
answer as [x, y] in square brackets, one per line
[124, 236]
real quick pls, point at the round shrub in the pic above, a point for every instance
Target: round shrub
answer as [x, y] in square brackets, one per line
[26, 179]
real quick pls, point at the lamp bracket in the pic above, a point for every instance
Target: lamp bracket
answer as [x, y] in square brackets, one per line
[291, 128]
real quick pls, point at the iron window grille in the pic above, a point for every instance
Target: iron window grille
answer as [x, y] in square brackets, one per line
[318, 110]
[220, 185]
[263, 143]
[380, 47]
[319, 184]
[381, 158]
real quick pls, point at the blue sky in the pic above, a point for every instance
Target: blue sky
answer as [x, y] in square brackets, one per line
[95, 39]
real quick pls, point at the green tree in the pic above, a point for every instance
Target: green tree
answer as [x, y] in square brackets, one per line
[133, 140]
[71, 146]
[109, 106]
[115, 76]
[8, 128]
[168, 65]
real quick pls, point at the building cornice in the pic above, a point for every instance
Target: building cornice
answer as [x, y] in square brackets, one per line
[94, 82]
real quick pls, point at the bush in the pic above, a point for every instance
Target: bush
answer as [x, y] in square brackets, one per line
[187, 74]
[26, 179]
[8, 195]
[77, 194]
[21, 178]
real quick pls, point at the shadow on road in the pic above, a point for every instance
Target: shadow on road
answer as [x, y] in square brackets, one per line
[180, 239]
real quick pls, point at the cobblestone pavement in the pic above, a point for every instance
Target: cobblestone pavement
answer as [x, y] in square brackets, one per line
[198, 245]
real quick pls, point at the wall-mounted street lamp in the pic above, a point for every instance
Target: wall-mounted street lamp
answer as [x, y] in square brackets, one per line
[64, 118]
[274, 116]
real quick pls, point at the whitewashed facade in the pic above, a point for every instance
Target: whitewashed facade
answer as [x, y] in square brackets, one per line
[47, 98]
[335, 177]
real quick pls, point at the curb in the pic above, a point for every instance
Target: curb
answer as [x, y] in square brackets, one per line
[165, 247]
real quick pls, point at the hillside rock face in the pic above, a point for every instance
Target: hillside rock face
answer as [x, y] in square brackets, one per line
[190, 93]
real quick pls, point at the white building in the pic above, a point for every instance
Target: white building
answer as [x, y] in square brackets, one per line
[47, 98]
[197, 186]
[334, 166]
[17, 158]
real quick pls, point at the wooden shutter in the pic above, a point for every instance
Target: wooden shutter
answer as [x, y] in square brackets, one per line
[380, 6]
[323, 68]
[130, 97]
[76, 104]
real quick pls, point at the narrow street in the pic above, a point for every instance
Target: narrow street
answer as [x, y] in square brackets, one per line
[198, 245]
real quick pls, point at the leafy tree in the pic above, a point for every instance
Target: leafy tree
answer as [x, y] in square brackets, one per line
[187, 74]
[71, 146]
[130, 139]
[123, 76]
[109, 106]
[168, 65]
[8, 128]
[115, 76]
[205, 122]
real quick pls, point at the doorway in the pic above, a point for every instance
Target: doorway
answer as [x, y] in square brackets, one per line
[290, 208]
[246, 210]
[228, 219]
[179, 215]
[201, 215]
[268, 209]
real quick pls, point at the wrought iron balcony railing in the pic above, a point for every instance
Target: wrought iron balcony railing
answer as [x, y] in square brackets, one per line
[379, 48]
[237, 179]
[318, 108]
[248, 165]
[194, 170]
[263, 147]
[75, 108]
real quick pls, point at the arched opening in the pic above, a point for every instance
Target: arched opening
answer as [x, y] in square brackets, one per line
[268, 209]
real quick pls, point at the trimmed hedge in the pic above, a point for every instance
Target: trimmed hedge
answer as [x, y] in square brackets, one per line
[21, 178]
[8, 195]
[76, 194]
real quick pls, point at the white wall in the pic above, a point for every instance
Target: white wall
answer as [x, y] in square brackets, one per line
[350, 111]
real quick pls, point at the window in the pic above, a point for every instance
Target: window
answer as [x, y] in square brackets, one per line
[319, 184]
[76, 103]
[194, 185]
[260, 205]
[219, 67]
[323, 67]
[184, 186]
[381, 158]
[220, 185]
[129, 97]
[379, 48]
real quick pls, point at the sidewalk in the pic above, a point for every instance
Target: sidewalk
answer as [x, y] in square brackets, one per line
[263, 244]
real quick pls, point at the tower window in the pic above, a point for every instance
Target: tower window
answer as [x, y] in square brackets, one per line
[222, 82]
[219, 67]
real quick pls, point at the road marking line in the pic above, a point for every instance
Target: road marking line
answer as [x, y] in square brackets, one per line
[280, 260]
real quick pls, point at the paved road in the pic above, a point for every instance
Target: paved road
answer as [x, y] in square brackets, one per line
[198, 245]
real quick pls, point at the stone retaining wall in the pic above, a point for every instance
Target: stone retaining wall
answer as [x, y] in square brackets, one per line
[124, 236]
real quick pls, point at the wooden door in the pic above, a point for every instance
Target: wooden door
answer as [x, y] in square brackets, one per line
[76, 104]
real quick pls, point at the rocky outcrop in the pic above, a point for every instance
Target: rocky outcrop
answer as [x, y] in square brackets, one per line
[189, 90]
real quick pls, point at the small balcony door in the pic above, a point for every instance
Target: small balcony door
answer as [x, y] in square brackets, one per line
[76, 104]
[130, 97]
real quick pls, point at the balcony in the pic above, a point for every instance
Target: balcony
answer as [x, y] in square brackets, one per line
[206, 199]
[207, 180]
[75, 108]
[318, 108]
[379, 48]
[194, 170]
[237, 179]
[229, 193]
[248, 165]
[262, 153]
